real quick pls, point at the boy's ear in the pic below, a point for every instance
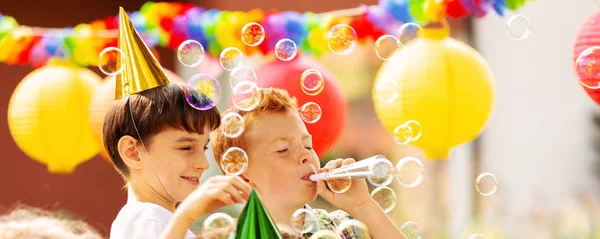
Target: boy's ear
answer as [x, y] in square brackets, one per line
[244, 178]
[129, 152]
[247, 180]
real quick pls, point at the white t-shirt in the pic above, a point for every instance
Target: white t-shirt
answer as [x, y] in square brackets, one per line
[138, 220]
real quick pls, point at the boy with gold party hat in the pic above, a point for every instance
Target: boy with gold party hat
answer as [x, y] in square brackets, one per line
[157, 142]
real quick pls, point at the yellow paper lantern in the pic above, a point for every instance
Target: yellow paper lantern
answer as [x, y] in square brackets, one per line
[443, 84]
[103, 98]
[48, 115]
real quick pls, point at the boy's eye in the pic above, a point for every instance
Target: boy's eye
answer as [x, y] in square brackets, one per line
[281, 151]
[186, 148]
[205, 148]
[309, 148]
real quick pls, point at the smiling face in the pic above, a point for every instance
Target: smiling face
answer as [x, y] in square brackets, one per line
[174, 133]
[280, 153]
[178, 158]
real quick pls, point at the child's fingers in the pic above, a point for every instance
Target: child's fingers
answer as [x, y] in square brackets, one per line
[333, 163]
[222, 178]
[234, 194]
[322, 170]
[320, 186]
[236, 182]
[242, 186]
[324, 192]
[348, 161]
[338, 163]
[225, 197]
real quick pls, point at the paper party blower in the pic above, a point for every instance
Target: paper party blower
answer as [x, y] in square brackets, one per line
[255, 222]
[287, 75]
[443, 84]
[48, 115]
[588, 36]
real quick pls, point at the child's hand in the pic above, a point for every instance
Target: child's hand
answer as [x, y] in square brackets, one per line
[357, 196]
[215, 193]
[358, 202]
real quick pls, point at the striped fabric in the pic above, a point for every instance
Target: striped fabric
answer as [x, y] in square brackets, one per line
[330, 221]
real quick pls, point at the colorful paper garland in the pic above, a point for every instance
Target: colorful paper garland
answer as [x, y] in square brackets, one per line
[168, 24]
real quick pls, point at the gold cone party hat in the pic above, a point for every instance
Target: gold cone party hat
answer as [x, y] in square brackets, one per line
[141, 70]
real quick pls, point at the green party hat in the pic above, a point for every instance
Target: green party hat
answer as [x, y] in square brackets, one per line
[255, 222]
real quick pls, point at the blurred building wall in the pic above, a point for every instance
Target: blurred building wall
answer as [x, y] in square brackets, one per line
[539, 142]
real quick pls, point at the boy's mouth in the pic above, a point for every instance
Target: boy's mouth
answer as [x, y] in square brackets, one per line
[307, 176]
[193, 180]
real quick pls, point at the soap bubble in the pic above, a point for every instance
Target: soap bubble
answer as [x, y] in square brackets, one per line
[353, 228]
[234, 161]
[285, 49]
[587, 67]
[232, 125]
[409, 34]
[111, 61]
[385, 197]
[311, 112]
[342, 39]
[403, 134]
[217, 220]
[312, 82]
[518, 27]
[246, 96]
[230, 58]
[205, 92]
[386, 46]
[253, 34]
[409, 172]
[190, 53]
[411, 230]
[384, 176]
[340, 184]
[242, 73]
[304, 221]
[486, 184]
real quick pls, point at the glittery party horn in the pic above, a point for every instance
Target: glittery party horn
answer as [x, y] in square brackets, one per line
[377, 166]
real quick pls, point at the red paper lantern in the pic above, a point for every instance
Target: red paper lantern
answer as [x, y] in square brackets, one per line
[286, 75]
[588, 36]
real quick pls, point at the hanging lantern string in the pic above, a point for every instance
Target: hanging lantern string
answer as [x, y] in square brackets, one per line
[113, 33]
[61, 32]
[350, 12]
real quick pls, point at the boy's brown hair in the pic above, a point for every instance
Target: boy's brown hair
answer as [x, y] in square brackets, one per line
[273, 101]
[22, 221]
[154, 110]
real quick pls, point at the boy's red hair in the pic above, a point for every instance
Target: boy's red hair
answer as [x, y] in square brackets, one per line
[273, 101]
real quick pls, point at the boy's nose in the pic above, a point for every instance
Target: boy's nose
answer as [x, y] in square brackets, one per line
[201, 163]
[305, 157]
